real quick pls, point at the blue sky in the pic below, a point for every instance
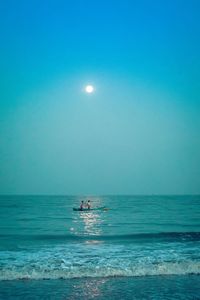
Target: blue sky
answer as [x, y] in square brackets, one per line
[137, 134]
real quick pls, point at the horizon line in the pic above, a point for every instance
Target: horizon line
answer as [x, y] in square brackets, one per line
[101, 195]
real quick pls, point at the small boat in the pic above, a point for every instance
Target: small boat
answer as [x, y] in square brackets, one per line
[90, 209]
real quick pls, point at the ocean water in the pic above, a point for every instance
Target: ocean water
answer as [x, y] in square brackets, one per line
[142, 247]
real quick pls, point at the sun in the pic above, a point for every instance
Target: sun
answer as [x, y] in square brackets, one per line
[89, 89]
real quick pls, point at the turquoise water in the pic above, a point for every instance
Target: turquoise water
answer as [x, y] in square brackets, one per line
[118, 288]
[138, 237]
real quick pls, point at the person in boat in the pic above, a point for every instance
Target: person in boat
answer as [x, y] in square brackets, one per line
[82, 205]
[88, 204]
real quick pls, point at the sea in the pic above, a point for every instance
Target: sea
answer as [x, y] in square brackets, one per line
[139, 247]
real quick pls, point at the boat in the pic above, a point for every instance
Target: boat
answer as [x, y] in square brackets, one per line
[90, 209]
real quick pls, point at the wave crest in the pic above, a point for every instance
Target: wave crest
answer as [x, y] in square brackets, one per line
[66, 272]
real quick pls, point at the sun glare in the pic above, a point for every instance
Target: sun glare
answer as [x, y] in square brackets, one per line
[89, 89]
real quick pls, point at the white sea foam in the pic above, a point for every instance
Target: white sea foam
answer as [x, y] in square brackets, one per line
[94, 261]
[65, 272]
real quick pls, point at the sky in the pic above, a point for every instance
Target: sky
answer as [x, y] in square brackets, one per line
[138, 133]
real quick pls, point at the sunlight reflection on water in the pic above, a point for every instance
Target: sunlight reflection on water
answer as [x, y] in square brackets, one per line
[88, 288]
[88, 223]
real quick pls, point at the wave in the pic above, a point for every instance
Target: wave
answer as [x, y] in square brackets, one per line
[180, 236]
[66, 272]
[98, 259]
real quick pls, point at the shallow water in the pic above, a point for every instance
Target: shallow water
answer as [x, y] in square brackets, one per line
[126, 288]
